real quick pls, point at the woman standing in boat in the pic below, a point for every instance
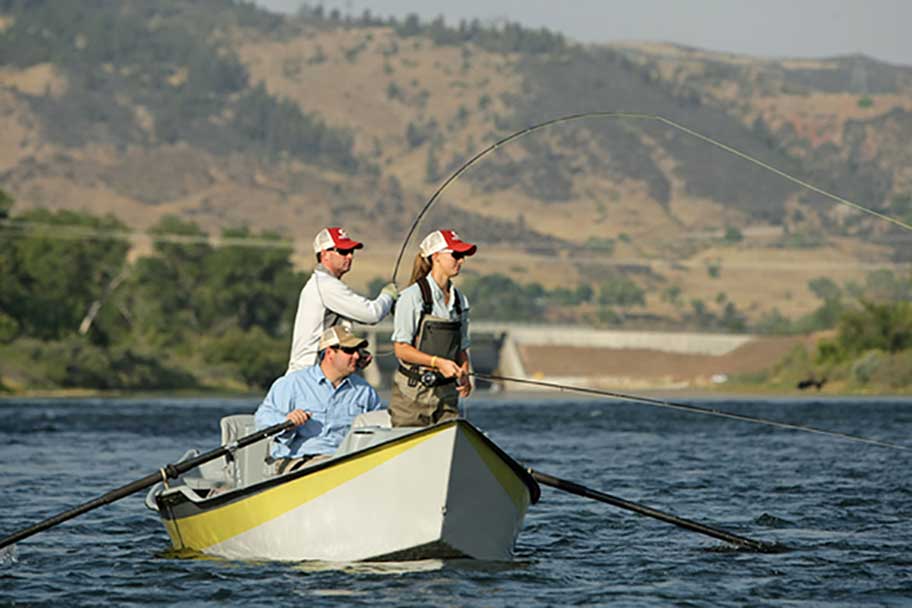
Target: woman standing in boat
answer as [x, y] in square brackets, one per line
[431, 335]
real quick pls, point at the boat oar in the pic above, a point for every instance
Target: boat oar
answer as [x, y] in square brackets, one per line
[170, 471]
[575, 488]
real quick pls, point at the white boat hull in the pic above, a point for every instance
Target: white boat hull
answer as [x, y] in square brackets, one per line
[441, 492]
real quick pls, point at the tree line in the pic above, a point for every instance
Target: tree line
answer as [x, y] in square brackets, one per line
[508, 37]
[76, 311]
[85, 315]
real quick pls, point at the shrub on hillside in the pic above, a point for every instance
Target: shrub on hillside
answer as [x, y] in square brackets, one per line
[258, 357]
[77, 363]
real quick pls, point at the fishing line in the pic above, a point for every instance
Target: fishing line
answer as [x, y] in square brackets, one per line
[693, 409]
[631, 116]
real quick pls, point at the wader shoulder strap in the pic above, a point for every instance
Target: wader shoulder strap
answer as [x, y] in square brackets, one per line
[428, 301]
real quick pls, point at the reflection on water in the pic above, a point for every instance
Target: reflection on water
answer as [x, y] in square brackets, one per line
[422, 565]
[9, 555]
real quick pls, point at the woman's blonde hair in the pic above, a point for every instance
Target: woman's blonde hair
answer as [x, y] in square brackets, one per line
[420, 268]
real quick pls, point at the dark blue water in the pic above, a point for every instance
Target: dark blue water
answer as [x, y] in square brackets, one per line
[842, 509]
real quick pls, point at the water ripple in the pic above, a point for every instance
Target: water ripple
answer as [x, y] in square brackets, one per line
[839, 512]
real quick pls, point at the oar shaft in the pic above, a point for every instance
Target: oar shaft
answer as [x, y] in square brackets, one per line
[168, 472]
[687, 524]
[110, 497]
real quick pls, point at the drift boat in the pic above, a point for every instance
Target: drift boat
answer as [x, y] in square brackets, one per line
[444, 491]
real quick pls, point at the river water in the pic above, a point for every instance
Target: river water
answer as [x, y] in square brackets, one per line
[842, 509]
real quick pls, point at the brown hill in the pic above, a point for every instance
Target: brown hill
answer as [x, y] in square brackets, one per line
[215, 134]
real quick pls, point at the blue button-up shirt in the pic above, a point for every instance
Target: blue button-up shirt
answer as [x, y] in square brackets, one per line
[332, 410]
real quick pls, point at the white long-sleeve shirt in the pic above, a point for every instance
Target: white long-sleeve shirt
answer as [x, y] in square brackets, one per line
[326, 301]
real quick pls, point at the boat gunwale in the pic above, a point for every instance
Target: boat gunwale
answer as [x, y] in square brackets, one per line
[183, 491]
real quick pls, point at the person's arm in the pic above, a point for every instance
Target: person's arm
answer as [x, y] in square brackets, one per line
[374, 401]
[339, 298]
[464, 385]
[277, 408]
[409, 354]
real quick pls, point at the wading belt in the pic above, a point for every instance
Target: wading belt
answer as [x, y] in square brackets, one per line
[428, 377]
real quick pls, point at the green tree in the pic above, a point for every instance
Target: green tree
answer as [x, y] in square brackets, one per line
[58, 263]
[773, 322]
[251, 286]
[828, 313]
[498, 297]
[825, 288]
[876, 326]
[733, 235]
[621, 291]
[732, 319]
[584, 292]
[672, 295]
[258, 357]
[166, 287]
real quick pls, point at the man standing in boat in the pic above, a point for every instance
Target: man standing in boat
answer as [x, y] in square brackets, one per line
[322, 400]
[326, 301]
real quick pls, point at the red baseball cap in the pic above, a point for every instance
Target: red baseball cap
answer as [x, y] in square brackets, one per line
[445, 240]
[334, 237]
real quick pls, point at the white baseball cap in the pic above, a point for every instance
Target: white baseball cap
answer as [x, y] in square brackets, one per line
[334, 236]
[445, 240]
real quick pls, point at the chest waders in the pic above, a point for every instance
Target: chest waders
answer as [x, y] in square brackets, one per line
[436, 336]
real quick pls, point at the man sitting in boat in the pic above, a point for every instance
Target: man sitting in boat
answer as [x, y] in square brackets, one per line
[322, 400]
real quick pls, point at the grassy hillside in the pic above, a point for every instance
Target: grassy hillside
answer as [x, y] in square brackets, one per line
[226, 115]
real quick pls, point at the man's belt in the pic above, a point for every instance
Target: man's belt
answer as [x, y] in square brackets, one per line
[428, 377]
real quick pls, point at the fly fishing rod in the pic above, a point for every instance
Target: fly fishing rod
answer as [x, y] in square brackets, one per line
[693, 409]
[632, 116]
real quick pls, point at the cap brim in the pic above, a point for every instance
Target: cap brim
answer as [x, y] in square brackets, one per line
[466, 248]
[353, 342]
[349, 244]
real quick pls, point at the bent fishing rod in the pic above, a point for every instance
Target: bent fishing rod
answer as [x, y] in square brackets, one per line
[693, 409]
[618, 115]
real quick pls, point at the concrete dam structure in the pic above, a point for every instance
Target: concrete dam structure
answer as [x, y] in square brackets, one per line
[598, 358]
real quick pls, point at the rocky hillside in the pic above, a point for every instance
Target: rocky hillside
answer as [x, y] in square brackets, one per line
[224, 114]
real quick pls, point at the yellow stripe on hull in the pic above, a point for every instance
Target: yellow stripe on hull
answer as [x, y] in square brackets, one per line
[505, 475]
[220, 524]
[442, 491]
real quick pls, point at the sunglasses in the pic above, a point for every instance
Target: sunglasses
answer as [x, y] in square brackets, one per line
[348, 350]
[343, 252]
[458, 255]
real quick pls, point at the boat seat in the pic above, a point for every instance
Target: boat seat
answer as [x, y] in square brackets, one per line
[249, 465]
[379, 418]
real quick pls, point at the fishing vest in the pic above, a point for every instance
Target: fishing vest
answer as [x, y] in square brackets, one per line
[435, 336]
